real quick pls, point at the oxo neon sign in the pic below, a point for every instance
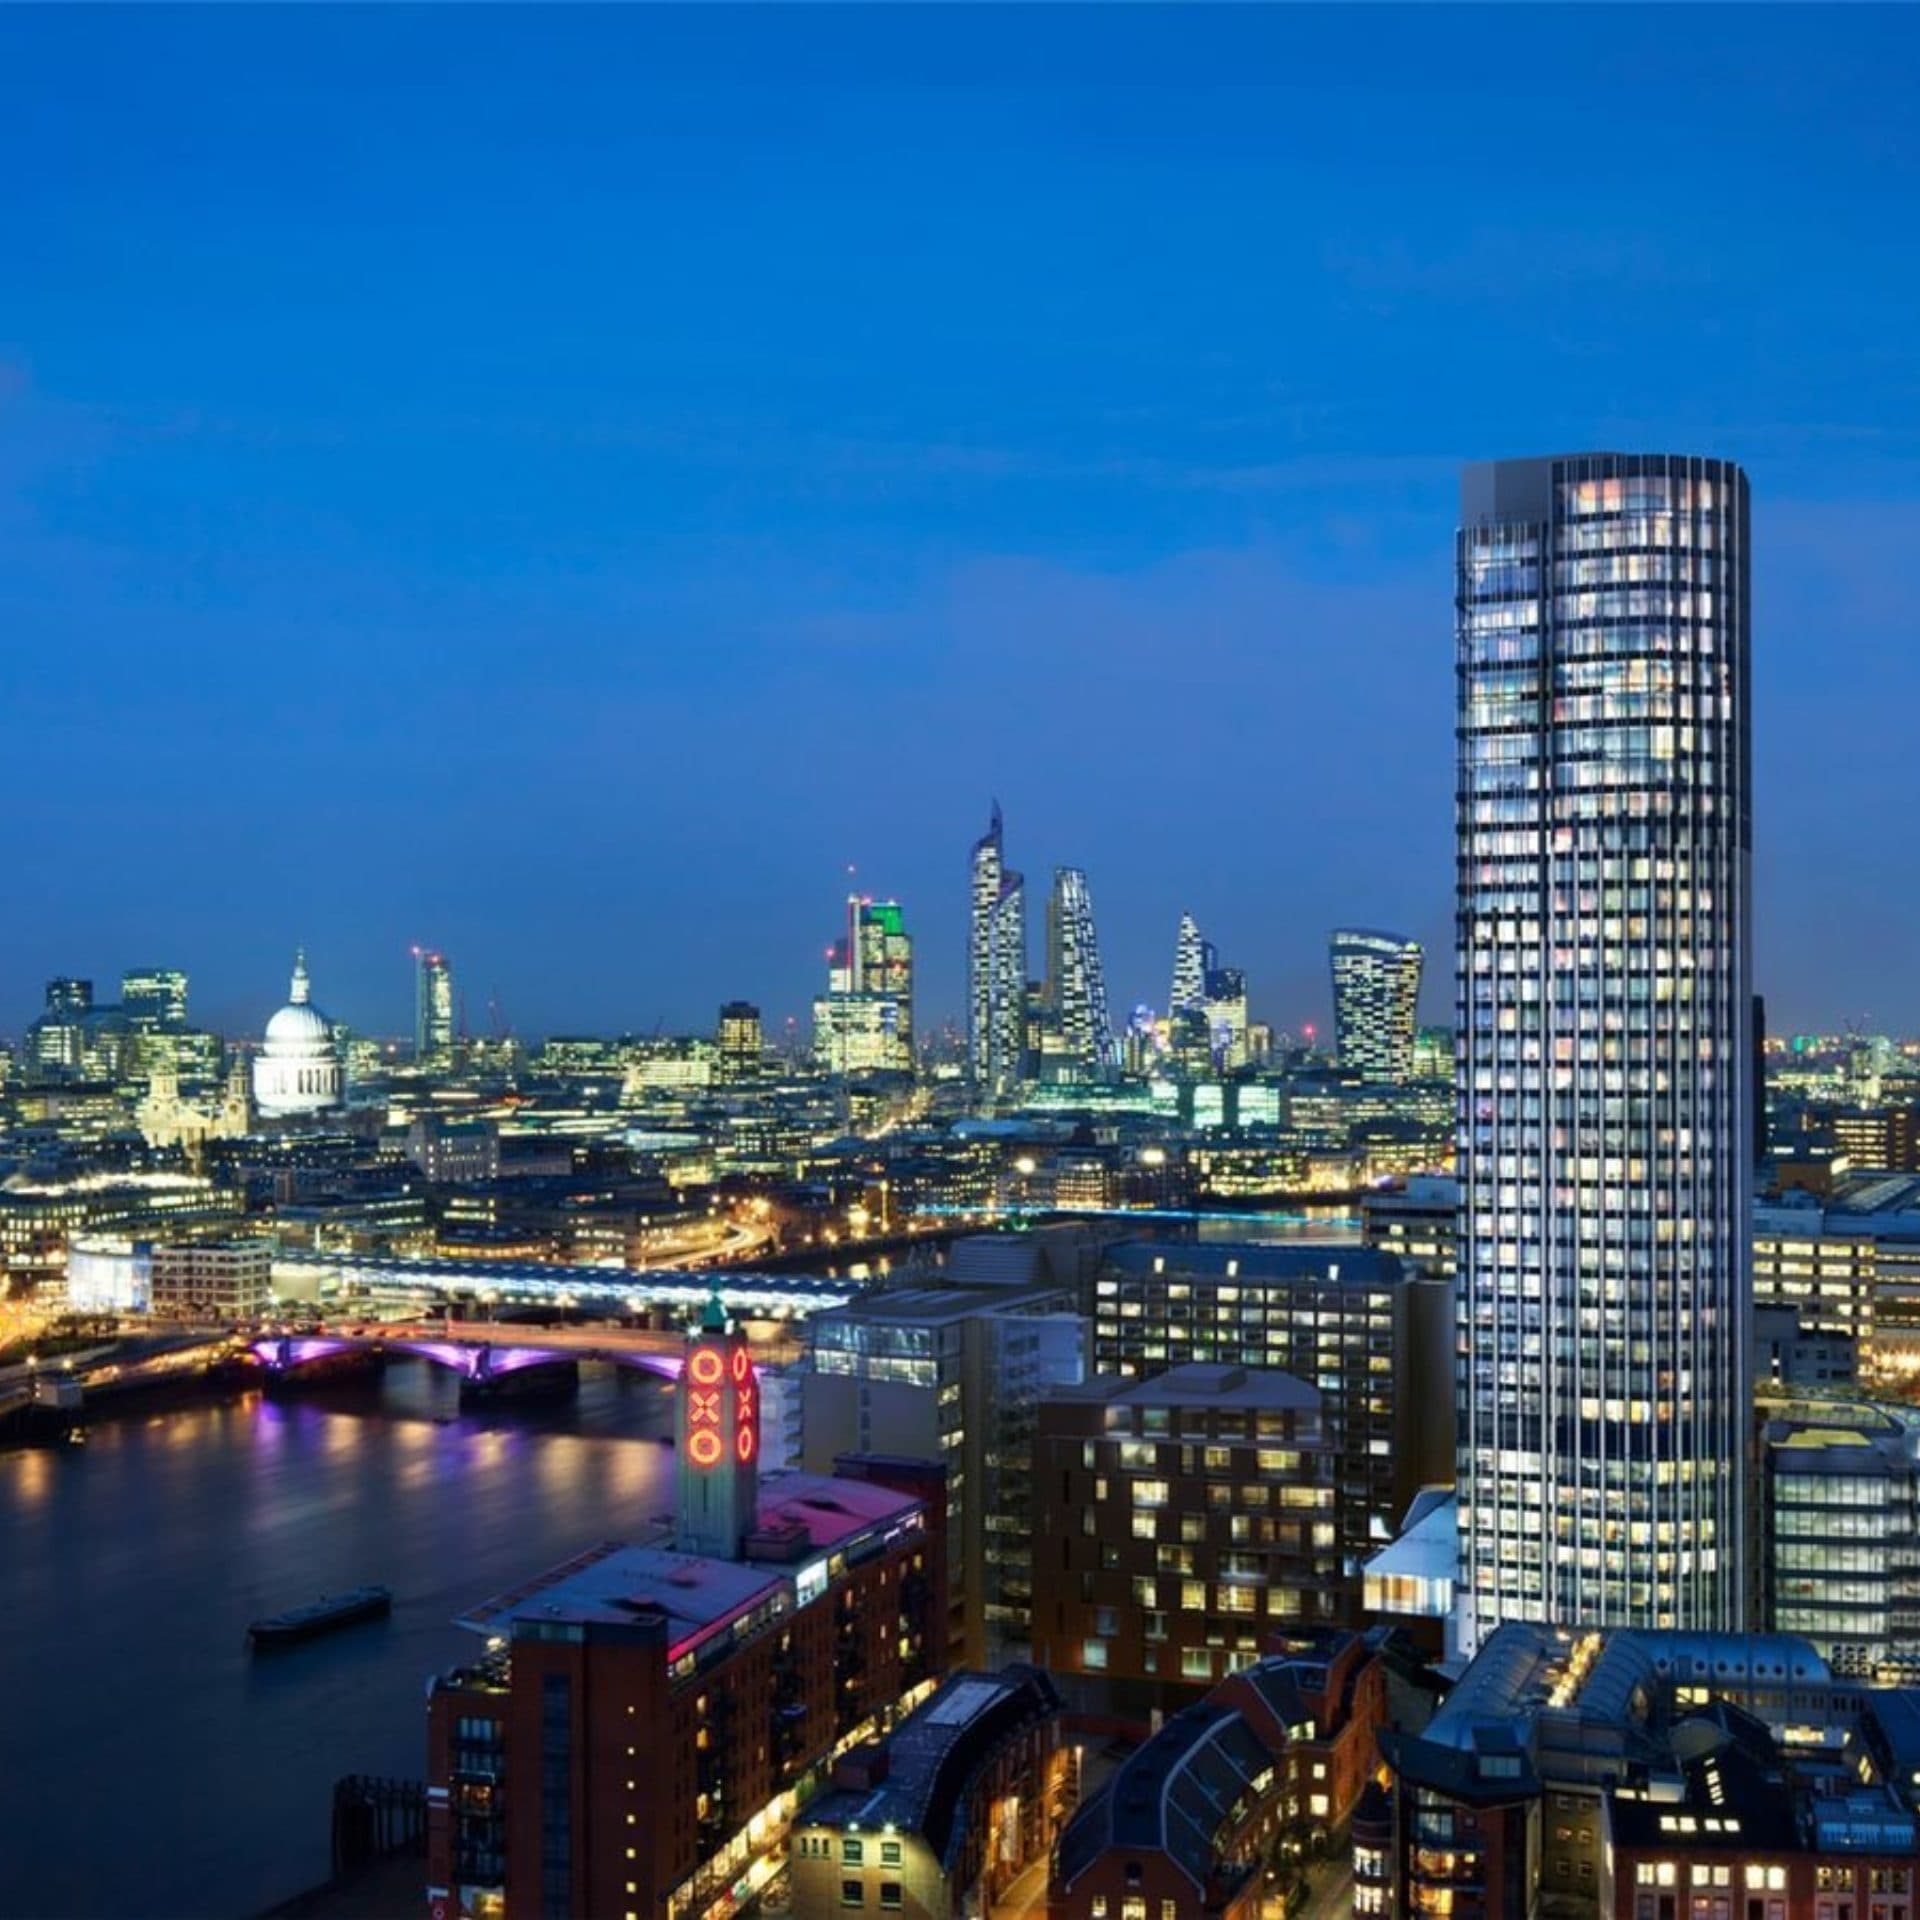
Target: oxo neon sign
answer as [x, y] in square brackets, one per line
[723, 1407]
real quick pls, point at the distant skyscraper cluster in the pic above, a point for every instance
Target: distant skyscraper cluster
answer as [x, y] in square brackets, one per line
[1058, 1029]
[1376, 1004]
[1605, 1072]
[1206, 1025]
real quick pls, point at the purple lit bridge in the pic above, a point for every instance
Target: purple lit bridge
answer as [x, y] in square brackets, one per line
[485, 1356]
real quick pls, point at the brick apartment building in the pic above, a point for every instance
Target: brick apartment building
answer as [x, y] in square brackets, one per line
[1180, 1521]
[1208, 1820]
[646, 1719]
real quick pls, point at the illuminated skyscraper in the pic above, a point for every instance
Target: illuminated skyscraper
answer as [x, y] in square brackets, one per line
[1189, 990]
[1376, 1003]
[864, 1023]
[996, 969]
[1226, 1011]
[882, 955]
[1604, 1017]
[69, 996]
[1079, 1033]
[154, 996]
[741, 1041]
[432, 1008]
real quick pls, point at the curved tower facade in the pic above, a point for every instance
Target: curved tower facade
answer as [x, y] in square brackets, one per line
[1605, 1047]
[996, 968]
[1076, 982]
[1376, 1003]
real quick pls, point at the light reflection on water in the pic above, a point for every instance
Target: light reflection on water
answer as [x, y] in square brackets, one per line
[149, 1765]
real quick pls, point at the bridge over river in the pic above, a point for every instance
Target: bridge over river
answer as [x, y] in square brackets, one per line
[486, 1354]
[423, 1286]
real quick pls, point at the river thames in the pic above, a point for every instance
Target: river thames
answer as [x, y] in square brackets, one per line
[150, 1767]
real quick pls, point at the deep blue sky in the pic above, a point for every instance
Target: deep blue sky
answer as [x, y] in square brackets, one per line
[562, 485]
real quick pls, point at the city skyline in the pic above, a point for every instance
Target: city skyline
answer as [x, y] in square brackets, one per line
[953, 964]
[475, 575]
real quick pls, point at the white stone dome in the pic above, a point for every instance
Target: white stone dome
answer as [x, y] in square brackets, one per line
[298, 1025]
[298, 1071]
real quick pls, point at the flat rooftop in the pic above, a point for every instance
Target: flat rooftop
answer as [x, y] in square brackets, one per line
[935, 1306]
[614, 1583]
[1199, 1384]
[1339, 1262]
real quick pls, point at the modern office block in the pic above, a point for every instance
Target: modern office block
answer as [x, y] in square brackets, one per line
[863, 1023]
[741, 1041]
[432, 1008]
[1840, 1532]
[953, 1372]
[1376, 1003]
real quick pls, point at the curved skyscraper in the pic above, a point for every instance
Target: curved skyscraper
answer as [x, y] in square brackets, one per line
[996, 968]
[1376, 1003]
[1606, 1053]
[1081, 1030]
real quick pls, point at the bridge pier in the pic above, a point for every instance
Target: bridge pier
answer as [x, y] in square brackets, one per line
[556, 1379]
[293, 1364]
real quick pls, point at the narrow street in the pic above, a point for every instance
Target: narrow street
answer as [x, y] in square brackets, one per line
[1332, 1897]
[1027, 1895]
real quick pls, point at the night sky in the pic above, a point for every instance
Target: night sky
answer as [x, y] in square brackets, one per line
[562, 486]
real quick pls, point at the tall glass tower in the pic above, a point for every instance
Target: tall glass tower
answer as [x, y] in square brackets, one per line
[1605, 1047]
[432, 1007]
[1188, 993]
[996, 968]
[1376, 1003]
[1076, 983]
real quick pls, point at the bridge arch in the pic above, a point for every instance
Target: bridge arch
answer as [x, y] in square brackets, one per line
[471, 1359]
